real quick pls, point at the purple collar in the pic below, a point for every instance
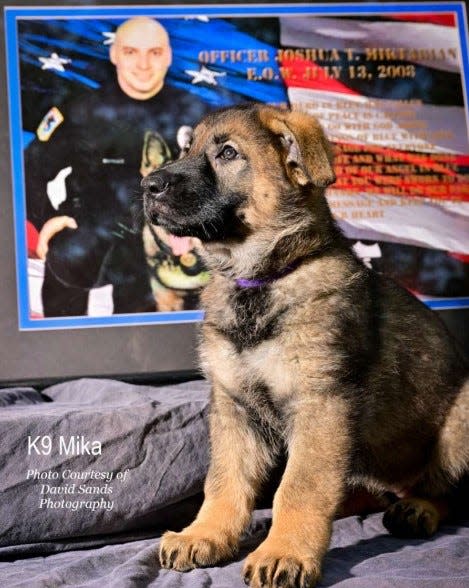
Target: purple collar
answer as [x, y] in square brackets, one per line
[259, 282]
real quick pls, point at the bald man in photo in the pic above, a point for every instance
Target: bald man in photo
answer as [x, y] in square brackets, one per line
[142, 55]
[103, 142]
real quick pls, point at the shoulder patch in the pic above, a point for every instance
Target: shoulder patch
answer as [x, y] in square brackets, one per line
[53, 119]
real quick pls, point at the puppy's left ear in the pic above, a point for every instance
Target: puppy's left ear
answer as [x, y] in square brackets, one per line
[306, 152]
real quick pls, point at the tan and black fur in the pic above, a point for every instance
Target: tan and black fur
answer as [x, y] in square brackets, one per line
[328, 363]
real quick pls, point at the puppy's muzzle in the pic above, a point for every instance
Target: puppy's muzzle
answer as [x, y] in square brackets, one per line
[157, 189]
[156, 184]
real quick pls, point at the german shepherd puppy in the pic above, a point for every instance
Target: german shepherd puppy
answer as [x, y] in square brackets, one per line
[309, 353]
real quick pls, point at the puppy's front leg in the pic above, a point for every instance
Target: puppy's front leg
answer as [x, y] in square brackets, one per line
[309, 494]
[239, 460]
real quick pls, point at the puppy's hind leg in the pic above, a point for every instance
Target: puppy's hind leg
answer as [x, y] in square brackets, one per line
[453, 443]
[239, 462]
[435, 498]
[415, 517]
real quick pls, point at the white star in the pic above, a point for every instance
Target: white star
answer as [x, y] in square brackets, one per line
[109, 40]
[54, 62]
[204, 75]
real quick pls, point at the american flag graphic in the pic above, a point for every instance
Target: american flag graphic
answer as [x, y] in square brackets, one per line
[389, 92]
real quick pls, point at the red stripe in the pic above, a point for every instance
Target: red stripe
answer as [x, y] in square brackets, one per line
[446, 20]
[423, 190]
[462, 160]
[32, 237]
[459, 256]
[423, 160]
[371, 174]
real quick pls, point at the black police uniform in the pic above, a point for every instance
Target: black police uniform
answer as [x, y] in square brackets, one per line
[102, 137]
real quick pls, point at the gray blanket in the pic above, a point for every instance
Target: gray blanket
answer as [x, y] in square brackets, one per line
[362, 555]
[159, 437]
[57, 483]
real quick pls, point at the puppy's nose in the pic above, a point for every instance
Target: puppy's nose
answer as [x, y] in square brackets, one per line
[156, 183]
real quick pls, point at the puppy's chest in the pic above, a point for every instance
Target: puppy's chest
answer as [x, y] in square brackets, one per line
[249, 317]
[246, 347]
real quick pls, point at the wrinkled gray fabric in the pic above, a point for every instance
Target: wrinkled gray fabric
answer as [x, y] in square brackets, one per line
[362, 555]
[158, 434]
[20, 396]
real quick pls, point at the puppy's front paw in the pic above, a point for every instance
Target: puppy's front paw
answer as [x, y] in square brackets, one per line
[412, 518]
[193, 548]
[279, 566]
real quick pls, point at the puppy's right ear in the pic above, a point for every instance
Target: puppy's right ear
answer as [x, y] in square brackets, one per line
[306, 152]
[184, 139]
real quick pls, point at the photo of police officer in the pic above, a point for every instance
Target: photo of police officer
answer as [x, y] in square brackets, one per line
[100, 144]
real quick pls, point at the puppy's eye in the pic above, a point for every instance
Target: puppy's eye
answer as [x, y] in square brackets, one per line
[228, 153]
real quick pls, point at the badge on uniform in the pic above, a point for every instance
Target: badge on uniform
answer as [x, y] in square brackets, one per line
[49, 123]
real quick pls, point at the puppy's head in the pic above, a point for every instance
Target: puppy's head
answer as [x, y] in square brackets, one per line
[244, 166]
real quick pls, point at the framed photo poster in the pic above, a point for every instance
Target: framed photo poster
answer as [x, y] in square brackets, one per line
[99, 96]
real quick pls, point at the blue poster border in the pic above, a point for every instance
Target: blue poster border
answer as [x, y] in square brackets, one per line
[12, 14]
